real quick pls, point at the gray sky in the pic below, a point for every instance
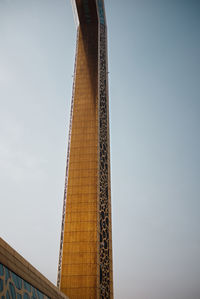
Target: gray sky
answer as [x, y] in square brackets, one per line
[154, 66]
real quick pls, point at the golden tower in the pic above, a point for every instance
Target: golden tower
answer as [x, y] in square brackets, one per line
[85, 261]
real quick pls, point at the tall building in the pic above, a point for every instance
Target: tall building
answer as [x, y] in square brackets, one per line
[85, 261]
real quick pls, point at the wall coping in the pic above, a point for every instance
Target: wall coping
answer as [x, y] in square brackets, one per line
[17, 264]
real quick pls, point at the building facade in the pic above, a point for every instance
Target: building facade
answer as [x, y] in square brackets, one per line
[85, 261]
[20, 280]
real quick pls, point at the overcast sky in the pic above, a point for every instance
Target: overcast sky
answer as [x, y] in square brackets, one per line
[154, 66]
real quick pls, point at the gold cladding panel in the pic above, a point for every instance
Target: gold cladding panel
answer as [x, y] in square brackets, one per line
[80, 251]
[80, 281]
[82, 293]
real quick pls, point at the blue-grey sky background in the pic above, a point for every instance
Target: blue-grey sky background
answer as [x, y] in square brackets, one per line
[154, 65]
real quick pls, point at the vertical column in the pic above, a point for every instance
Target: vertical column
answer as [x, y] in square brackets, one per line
[80, 269]
[105, 251]
[85, 267]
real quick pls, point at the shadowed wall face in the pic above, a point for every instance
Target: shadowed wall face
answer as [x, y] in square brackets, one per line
[86, 268]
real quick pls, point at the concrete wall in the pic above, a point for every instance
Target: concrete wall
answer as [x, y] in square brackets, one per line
[19, 279]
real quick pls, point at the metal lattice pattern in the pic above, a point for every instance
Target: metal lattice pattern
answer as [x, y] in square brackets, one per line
[104, 174]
